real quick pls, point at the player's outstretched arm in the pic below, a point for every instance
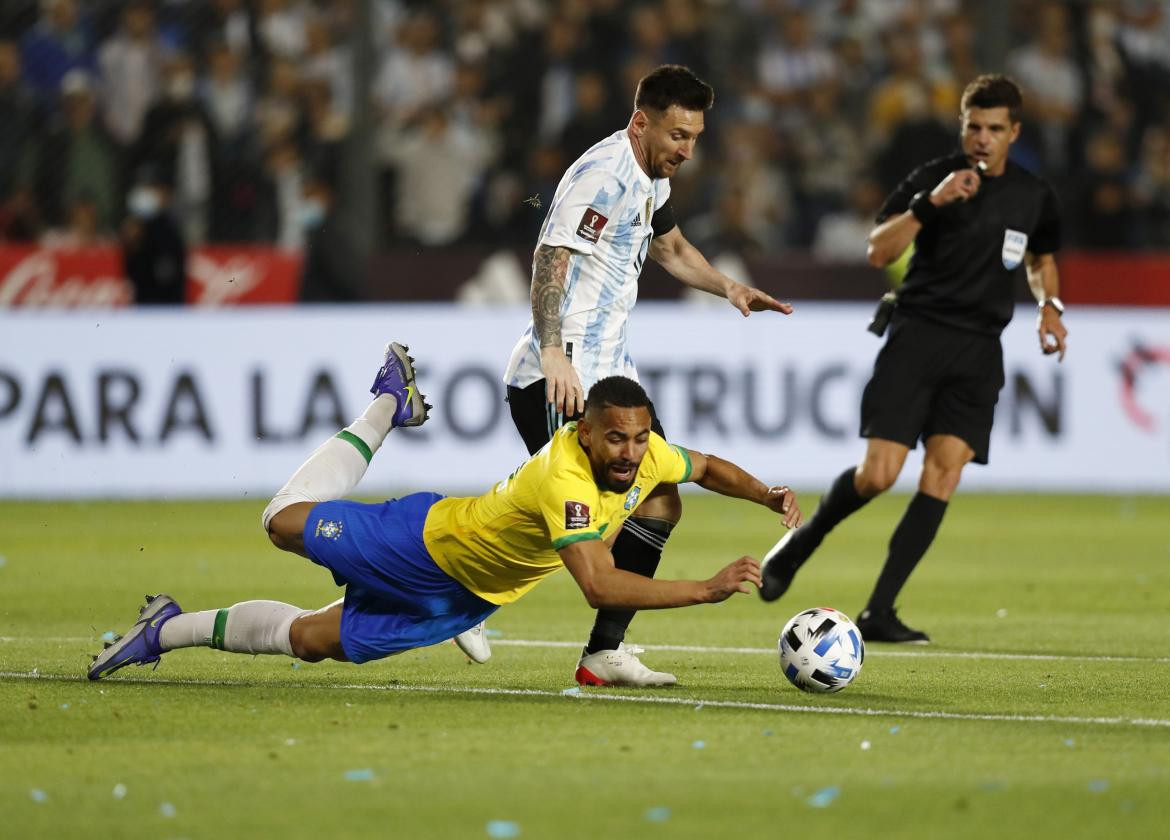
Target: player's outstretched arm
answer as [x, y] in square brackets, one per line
[727, 479]
[550, 266]
[1044, 281]
[673, 252]
[604, 586]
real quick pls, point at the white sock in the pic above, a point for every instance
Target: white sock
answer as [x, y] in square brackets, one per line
[247, 627]
[338, 464]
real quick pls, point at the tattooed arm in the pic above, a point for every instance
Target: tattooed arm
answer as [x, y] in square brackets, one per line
[562, 385]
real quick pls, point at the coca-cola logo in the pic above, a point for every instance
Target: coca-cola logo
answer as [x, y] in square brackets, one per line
[51, 278]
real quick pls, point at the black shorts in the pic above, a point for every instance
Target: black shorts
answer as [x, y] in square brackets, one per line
[932, 379]
[536, 419]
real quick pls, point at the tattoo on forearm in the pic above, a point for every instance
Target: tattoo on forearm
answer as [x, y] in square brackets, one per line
[550, 267]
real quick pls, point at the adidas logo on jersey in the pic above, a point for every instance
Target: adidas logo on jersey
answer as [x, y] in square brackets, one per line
[637, 221]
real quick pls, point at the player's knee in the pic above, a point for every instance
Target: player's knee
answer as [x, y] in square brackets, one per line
[311, 643]
[940, 480]
[875, 478]
[285, 527]
[663, 503]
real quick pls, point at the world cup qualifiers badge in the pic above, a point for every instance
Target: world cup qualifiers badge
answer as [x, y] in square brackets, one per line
[328, 530]
[632, 497]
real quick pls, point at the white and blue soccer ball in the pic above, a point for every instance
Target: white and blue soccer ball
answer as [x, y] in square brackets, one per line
[821, 650]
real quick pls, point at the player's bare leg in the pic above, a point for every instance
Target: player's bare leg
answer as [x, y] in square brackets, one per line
[946, 455]
[877, 472]
[607, 659]
[317, 635]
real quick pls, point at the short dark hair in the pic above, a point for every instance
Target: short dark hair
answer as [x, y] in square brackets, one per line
[673, 84]
[994, 91]
[616, 392]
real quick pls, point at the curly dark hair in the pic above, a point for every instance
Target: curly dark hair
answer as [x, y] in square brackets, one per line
[994, 91]
[673, 84]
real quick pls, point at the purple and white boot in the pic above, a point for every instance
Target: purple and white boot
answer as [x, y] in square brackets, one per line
[140, 644]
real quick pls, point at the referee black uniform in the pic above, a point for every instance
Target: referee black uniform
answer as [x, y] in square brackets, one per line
[975, 218]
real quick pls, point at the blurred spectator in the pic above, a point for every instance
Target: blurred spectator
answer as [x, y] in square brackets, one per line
[556, 77]
[75, 158]
[330, 63]
[1152, 190]
[280, 210]
[278, 112]
[227, 96]
[130, 63]
[1102, 207]
[178, 143]
[20, 220]
[17, 116]
[1053, 93]
[415, 75]
[593, 118]
[908, 94]
[843, 236]
[217, 23]
[59, 42]
[828, 154]
[331, 270]
[280, 25]
[153, 252]
[729, 228]
[439, 168]
[792, 60]
[325, 128]
[82, 229]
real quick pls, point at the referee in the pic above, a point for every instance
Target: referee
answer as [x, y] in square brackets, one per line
[974, 218]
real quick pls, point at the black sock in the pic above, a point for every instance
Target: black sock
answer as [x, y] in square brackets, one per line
[841, 500]
[637, 549]
[909, 543]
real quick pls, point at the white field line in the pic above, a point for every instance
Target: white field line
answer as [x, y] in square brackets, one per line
[917, 652]
[578, 694]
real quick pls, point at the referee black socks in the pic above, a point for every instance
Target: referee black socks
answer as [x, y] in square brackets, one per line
[841, 501]
[909, 543]
[637, 549]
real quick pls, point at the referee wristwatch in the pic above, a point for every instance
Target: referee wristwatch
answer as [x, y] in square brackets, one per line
[1055, 302]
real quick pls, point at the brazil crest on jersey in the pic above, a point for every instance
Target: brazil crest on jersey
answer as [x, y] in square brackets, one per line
[602, 212]
[501, 544]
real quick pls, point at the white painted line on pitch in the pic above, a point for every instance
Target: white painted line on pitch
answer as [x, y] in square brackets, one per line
[879, 652]
[603, 694]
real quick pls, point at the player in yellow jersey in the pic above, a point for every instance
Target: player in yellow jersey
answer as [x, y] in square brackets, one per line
[420, 569]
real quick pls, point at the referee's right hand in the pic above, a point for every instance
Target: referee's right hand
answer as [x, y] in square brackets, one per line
[960, 185]
[562, 385]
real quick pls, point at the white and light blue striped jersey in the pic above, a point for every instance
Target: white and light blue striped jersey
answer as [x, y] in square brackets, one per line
[601, 212]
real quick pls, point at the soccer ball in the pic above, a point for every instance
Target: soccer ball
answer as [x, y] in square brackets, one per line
[821, 650]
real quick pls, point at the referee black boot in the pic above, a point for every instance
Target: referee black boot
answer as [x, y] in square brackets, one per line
[885, 626]
[780, 565]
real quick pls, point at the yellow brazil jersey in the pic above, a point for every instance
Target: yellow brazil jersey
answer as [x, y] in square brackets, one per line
[501, 544]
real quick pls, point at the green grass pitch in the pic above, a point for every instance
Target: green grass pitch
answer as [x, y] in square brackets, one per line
[1042, 709]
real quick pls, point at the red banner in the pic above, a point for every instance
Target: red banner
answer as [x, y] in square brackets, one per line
[217, 275]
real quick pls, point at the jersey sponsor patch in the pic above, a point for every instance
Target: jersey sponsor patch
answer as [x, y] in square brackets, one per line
[592, 224]
[576, 515]
[1015, 243]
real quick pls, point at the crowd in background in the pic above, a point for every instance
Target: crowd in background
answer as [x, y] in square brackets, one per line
[238, 115]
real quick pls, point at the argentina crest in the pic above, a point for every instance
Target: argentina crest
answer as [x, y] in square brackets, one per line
[1015, 243]
[632, 497]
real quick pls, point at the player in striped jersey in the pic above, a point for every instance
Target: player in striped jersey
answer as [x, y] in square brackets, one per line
[610, 212]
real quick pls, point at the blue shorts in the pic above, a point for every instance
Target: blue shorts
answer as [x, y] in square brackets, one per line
[396, 598]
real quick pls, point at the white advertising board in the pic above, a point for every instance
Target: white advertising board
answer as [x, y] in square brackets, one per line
[229, 402]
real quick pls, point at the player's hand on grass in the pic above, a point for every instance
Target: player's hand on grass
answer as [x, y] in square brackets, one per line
[732, 578]
[747, 300]
[782, 499]
[562, 385]
[1052, 333]
[960, 185]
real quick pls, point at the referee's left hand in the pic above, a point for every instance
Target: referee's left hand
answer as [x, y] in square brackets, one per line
[1052, 333]
[747, 300]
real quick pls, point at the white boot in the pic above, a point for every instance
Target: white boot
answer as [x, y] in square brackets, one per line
[619, 667]
[474, 643]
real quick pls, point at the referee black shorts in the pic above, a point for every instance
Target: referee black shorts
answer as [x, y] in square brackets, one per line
[932, 379]
[536, 419]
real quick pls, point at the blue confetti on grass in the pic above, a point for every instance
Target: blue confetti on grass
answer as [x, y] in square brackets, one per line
[659, 814]
[824, 797]
[167, 810]
[1098, 786]
[492, 633]
[3, 561]
[109, 636]
[363, 775]
[296, 665]
[64, 706]
[894, 730]
[698, 745]
[119, 791]
[571, 692]
[768, 733]
[699, 707]
[1069, 742]
[38, 795]
[503, 828]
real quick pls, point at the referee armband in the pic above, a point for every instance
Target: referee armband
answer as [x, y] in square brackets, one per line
[663, 221]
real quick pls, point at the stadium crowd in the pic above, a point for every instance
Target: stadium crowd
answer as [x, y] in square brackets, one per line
[241, 112]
